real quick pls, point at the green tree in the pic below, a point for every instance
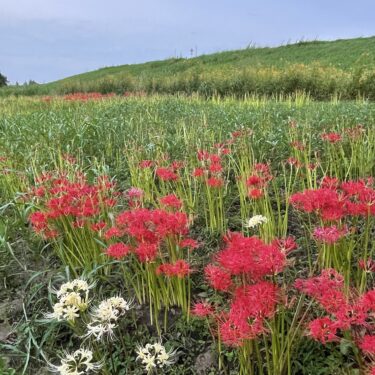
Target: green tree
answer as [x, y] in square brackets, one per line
[3, 80]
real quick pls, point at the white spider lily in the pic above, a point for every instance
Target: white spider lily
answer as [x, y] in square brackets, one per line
[77, 363]
[155, 356]
[256, 220]
[105, 317]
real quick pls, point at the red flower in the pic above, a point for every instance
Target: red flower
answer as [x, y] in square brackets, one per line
[180, 269]
[96, 227]
[367, 344]
[367, 266]
[112, 232]
[198, 172]
[118, 250]
[329, 182]
[329, 234]
[218, 277]
[325, 202]
[251, 256]
[146, 164]
[254, 181]
[146, 252]
[255, 193]
[215, 168]
[189, 243]
[166, 174]
[134, 193]
[323, 330]
[215, 182]
[285, 245]
[254, 301]
[39, 221]
[331, 137]
[171, 201]
[235, 335]
[202, 309]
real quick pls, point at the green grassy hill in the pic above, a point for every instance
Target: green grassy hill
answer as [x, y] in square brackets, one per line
[322, 68]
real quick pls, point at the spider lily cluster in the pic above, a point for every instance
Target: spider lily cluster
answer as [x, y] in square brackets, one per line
[311, 214]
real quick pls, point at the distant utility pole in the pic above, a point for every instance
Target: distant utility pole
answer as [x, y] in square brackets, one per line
[191, 52]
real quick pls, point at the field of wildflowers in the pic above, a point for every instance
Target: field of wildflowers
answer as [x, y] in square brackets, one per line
[175, 235]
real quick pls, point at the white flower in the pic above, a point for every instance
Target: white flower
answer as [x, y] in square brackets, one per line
[73, 298]
[80, 286]
[99, 330]
[105, 312]
[256, 220]
[120, 304]
[71, 313]
[58, 312]
[155, 356]
[77, 363]
[105, 317]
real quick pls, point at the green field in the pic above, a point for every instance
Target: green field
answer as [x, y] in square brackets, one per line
[322, 69]
[291, 145]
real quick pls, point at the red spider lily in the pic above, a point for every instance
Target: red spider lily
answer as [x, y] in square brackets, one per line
[293, 162]
[352, 313]
[355, 132]
[147, 252]
[331, 137]
[327, 203]
[251, 305]
[146, 164]
[39, 221]
[198, 172]
[213, 158]
[78, 223]
[215, 168]
[166, 174]
[298, 145]
[333, 201]
[171, 200]
[235, 335]
[203, 155]
[225, 151]
[188, 243]
[97, 227]
[176, 165]
[73, 198]
[256, 301]
[323, 330]
[113, 232]
[327, 289]
[219, 278]
[134, 193]
[255, 193]
[285, 245]
[85, 96]
[255, 181]
[367, 265]
[330, 234]
[330, 182]
[202, 309]
[118, 250]
[152, 225]
[215, 182]
[251, 256]
[180, 269]
[367, 300]
[367, 344]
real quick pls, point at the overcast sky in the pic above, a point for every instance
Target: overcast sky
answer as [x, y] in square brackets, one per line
[46, 40]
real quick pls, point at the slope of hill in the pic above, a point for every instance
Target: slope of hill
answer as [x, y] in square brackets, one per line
[322, 68]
